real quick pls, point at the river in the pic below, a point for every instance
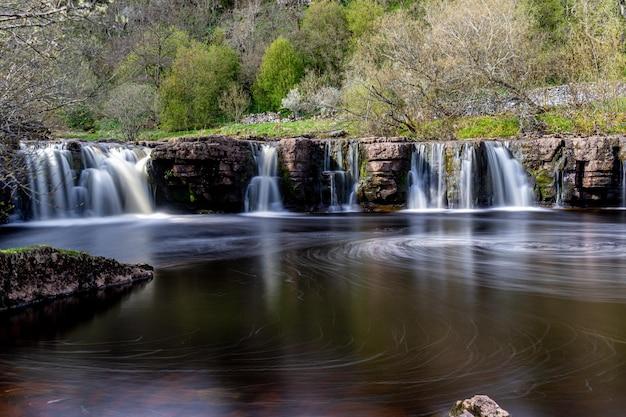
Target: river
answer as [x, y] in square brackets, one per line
[336, 315]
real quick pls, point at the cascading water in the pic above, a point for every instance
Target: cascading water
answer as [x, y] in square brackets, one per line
[427, 178]
[623, 184]
[263, 192]
[467, 156]
[509, 183]
[102, 180]
[343, 175]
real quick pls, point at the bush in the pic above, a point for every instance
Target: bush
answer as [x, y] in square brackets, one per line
[133, 106]
[234, 102]
[190, 94]
[80, 118]
[325, 38]
[280, 70]
[313, 96]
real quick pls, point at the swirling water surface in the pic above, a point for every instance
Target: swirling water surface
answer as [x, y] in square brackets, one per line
[396, 315]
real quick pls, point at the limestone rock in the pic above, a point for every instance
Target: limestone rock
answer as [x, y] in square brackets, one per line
[36, 274]
[478, 406]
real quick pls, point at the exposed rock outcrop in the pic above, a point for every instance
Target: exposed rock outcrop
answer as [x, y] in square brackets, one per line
[477, 406]
[32, 275]
[212, 173]
[208, 173]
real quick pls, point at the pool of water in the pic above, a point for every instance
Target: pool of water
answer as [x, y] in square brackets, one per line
[365, 315]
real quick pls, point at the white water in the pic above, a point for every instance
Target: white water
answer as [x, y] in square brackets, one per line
[467, 199]
[343, 175]
[106, 181]
[509, 182]
[263, 192]
[427, 178]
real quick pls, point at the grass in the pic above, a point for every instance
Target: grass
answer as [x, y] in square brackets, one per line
[604, 117]
[28, 249]
[314, 127]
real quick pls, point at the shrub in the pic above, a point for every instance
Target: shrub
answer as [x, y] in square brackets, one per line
[80, 118]
[133, 106]
[280, 70]
[234, 102]
[190, 94]
[313, 97]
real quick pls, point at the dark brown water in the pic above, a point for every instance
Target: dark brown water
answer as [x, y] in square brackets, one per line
[358, 315]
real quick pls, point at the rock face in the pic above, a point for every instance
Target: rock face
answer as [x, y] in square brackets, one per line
[477, 406]
[387, 162]
[209, 173]
[212, 173]
[33, 275]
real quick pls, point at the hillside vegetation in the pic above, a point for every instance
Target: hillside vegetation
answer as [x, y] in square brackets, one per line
[435, 69]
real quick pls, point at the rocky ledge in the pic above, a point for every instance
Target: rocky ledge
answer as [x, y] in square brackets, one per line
[32, 275]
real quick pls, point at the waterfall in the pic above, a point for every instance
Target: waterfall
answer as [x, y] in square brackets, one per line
[102, 180]
[467, 158]
[427, 178]
[509, 183]
[623, 184]
[343, 175]
[263, 193]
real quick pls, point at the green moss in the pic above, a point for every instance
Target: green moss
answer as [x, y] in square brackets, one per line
[28, 249]
[191, 195]
[544, 181]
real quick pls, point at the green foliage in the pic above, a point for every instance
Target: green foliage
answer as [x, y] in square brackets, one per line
[152, 56]
[549, 19]
[80, 118]
[190, 94]
[280, 70]
[325, 38]
[488, 127]
[361, 16]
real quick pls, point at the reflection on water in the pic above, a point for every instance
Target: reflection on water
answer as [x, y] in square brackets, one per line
[331, 316]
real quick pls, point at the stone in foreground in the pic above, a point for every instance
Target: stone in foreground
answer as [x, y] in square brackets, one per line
[477, 406]
[36, 274]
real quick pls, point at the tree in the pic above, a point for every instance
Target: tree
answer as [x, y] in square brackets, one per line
[361, 16]
[325, 38]
[133, 106]
[153, 54]
[280, 70]
[234, 102]
[190, 94]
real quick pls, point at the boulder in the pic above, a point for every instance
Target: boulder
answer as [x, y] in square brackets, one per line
[32, 275]
[477, 406]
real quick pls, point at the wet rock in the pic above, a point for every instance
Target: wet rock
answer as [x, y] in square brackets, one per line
[478, 406]
[301, 166]
[32, 275]
[209, 173]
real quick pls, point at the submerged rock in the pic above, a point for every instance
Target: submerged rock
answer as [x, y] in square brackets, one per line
[36, 274]
[478, 406]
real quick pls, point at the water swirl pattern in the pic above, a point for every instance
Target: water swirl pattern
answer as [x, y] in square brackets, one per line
[334, 315]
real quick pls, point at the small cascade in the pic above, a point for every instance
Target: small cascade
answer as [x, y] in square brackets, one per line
[100, 180]
[509, 183]
[343, 175]
[467, 156]
[263, 192]
[623, 184]
[427, 178]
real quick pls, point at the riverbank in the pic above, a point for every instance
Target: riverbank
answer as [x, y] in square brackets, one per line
[35, 274]
[599, 118]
